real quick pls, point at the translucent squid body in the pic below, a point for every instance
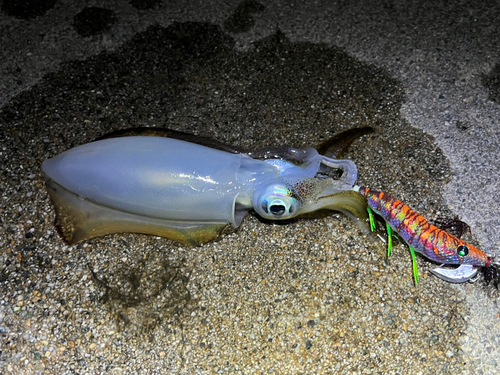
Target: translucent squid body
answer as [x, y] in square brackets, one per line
[425, 238]
[188, 188]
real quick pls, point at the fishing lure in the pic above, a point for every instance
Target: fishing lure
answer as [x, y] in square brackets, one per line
[190, 189]
[425, 238]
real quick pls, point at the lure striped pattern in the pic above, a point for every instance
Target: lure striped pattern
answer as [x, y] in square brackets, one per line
[425, 238]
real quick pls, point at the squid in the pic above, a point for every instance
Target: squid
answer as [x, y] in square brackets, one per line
[192, 189]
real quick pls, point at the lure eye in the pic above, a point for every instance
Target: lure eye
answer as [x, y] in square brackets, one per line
[462, 250]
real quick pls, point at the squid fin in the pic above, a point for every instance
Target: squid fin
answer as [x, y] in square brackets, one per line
[79, 219]
[334, 147]
[174, 134]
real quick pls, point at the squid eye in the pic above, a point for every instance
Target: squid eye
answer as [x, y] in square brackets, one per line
[277, 209]
[276, 202]
[462, 250]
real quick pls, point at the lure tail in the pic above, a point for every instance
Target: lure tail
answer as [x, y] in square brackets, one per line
[424, 238]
